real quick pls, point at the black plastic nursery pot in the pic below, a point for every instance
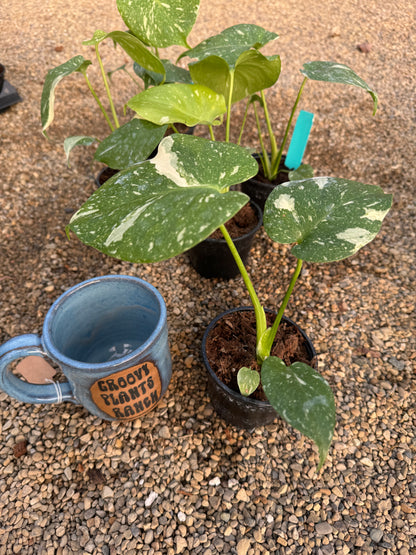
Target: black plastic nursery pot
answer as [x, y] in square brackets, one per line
[104, 174]
[8, 94]
[259, 189]
[212, 257]
[229, 404]
[2, 72]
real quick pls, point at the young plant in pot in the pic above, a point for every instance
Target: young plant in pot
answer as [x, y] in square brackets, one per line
[136, 140]
[230, 65]
[164, 206]
[241, 71]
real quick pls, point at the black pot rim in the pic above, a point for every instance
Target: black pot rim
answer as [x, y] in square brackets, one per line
[232, 392]
[252, 231]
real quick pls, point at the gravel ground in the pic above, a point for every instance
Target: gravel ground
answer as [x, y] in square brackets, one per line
[179, 480]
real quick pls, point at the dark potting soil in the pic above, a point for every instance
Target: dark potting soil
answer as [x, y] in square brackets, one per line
[243, 222]
[232, 345]
[281, 177]
[106, 174]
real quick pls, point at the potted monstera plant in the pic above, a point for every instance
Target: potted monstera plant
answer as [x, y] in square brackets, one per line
[230, 63]
[237, 70]
[135, 140]
[162, 207]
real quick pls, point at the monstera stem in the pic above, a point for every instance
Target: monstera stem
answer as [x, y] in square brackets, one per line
[261, 324]
[229, 103]
[98, 101]
[107, 87]
[267, 346]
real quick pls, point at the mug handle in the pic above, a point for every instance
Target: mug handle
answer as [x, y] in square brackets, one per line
[21, 347]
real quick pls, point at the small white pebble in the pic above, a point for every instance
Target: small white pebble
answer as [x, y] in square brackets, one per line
[215, 481]
[150, 500]
[181, 516]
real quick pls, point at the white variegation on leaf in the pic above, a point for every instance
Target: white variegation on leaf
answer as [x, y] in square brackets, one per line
[131, 143]
[160, 24]
[303, 398]
[53, 77]
[327, 218]
[77, 140]
[164, 206]
[231, 43]
[333, 72]
[179, 103]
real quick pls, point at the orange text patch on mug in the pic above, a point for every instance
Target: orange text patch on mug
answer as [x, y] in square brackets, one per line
[130, 393]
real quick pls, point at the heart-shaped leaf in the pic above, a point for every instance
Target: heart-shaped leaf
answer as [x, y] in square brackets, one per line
[160, 24]
[178, 103]
[164, 206]
[253, 72]
[248, 380]
[77, 140]
[337, 73]
[133, 47]
[53, 77]
[231, 43]
[328, 218]
[131, 143]
[303, 398]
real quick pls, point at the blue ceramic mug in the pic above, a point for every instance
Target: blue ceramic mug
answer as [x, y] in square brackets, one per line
[109, 337]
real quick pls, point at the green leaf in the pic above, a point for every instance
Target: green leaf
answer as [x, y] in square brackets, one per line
[178, 103]
[77, 140]
[174, 74]
[231, 43]
[329, 218]
[133, 47]
[304, 171]
[160, 24]
[164, 206]
[303, 399]
[131, 143]
[53, 77]
[333, 72]
[248, 380]
[253, 72]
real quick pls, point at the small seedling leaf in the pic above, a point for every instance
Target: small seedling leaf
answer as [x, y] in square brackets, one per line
[248, 380]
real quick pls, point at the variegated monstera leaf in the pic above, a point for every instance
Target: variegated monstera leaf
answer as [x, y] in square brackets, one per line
[166, 205]
[327, 218]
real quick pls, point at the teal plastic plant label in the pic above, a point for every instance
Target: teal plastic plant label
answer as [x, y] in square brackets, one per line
[299, 140]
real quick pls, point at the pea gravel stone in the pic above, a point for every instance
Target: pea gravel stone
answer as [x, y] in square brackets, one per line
[89, 486]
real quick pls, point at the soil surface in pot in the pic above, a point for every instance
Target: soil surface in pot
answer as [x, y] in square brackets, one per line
[281, 177]
[243, 222]
[103, 176]
[232, 344]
